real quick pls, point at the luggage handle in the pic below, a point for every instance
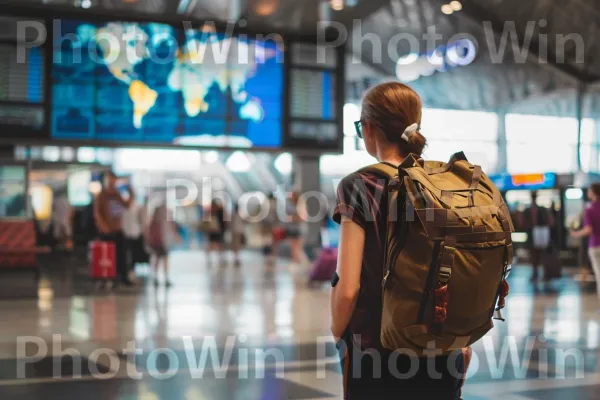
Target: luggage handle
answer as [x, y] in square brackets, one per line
[446, 194]
[414, 161]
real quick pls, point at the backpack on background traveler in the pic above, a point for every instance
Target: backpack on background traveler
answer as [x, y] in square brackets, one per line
[448, 254]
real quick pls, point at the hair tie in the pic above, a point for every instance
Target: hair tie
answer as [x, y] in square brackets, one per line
[409, 132]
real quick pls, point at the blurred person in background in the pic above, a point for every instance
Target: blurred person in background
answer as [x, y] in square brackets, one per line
[295, 229]
[160, 229]
[238, 237]
[270, 226]
[62, 220]
[216, 231]
[591, 229]
[133, 226]
[537, 222]
[109, 207]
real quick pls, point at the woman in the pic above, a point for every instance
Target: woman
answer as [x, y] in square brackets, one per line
[132, 223]
[161, 227]
[591, 229]
[62, 220]
[216, 232]
[391, 113]
[294, 230]
[238, 238]
[270, 224]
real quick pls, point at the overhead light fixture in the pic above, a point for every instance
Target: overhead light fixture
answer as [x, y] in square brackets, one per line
[86, 3]
[337, 5]
[456, 5]
[86, 154]
[283, 163]
[574, 194]
[211, 157]
[408, 59]
[264, 8]
[447, 9]
[238, 162]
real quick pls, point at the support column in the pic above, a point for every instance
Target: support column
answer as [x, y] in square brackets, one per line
[595, 154]
[579, 112]
[306, 179]
[502, 165]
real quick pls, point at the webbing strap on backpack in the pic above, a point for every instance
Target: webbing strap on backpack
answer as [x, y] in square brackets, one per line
[390, 172]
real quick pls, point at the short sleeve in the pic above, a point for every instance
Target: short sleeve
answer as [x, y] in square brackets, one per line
[587, 217]
[359, 198]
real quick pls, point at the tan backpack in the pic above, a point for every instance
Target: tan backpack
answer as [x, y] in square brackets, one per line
[448, 254]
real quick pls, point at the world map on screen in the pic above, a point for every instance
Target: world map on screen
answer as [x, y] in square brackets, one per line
[153, 83]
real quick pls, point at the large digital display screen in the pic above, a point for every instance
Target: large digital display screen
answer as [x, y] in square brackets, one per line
[153, 83]
[21, 81]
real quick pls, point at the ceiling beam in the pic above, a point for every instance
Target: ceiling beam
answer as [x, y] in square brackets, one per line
[172, 7]
[478, 15]
[361, 11]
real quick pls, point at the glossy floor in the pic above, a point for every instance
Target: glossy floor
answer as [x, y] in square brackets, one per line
[227, 333]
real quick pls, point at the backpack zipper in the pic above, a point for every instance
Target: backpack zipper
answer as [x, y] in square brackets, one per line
[481, 248]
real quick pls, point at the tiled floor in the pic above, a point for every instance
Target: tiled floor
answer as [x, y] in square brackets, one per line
[224, 333]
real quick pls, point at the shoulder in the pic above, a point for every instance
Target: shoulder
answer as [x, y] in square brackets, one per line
[363, 183]
[366, 178]
[350, 179]
[100, 197]
[592, 208]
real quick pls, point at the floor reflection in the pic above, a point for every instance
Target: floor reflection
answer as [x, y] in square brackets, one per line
[254, 310]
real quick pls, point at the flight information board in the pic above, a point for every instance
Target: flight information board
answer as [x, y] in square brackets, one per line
[313, 94]
[21, 81]
[152, 83]
[21, 84]
[315, 85]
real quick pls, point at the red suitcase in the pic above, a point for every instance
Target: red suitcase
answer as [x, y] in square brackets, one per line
[103, 259]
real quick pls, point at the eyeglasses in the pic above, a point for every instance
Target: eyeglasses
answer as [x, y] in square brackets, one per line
[358, 127]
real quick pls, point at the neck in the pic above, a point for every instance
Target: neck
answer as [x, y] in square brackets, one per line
[391, 156]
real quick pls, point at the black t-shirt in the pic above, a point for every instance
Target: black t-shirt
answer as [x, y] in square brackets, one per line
[361, 196]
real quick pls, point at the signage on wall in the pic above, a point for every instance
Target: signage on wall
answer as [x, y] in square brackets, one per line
[506, 182]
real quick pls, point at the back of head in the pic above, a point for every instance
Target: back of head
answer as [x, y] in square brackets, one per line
[393, 107]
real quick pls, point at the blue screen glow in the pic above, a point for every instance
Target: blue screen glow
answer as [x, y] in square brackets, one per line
[149, 82]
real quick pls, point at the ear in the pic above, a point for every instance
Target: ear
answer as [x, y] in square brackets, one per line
[367, 127]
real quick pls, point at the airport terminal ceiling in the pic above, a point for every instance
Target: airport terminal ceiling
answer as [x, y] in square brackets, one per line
[513, 84]
[491, 81]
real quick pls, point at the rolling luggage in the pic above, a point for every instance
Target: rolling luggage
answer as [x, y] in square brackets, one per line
[102, 260]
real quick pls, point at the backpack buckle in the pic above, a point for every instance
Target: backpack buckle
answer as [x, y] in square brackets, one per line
[394, 184]
[444, 274]
[507, 271]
